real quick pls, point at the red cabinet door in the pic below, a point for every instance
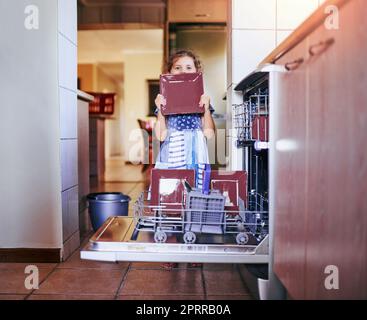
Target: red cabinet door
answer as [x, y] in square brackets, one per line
[336, 157]
[290, 170]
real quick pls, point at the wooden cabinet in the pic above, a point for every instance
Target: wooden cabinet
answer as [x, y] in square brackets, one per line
[97, 147]
[321, 204]
[83, 162]
[289, 247]
[197, 10]
[70, 217]
[337, 127]
[195, 14]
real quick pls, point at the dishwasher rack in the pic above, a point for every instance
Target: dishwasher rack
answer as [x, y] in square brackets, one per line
[251, 118]
[243, 226]
[132, 238]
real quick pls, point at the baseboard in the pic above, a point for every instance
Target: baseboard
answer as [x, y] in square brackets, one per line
[34, 255]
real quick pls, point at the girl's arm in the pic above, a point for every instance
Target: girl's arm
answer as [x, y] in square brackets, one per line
[207, 119]
[160, 128]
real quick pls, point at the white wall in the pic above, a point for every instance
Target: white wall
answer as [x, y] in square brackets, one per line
[114, 145]
[255, 29]
[138, 69]
[105, 84]
[30, 169]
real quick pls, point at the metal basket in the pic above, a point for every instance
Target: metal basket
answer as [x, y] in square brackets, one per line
[204, 212]
[251, 118]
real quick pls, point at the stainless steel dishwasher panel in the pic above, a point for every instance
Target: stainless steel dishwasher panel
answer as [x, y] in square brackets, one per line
[113, 242]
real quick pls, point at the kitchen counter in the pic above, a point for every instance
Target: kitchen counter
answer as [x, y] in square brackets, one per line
[84, 96]
[309, 25]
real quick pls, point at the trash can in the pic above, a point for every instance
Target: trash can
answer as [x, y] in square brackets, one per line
[106, 204]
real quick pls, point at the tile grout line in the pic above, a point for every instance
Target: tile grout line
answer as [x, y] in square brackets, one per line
[243, 281]
[203, 283]
[89, 268]
[24, 295]
[122, 280]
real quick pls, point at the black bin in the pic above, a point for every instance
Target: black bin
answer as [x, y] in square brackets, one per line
[106, 204]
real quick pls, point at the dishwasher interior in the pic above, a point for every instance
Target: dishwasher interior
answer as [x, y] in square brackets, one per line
[178, 223]
[254, 121]
[201, 231]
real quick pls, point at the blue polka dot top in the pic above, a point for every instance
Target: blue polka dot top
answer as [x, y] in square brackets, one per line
[184, 121]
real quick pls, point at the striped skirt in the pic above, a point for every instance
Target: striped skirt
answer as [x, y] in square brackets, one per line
[186, 149]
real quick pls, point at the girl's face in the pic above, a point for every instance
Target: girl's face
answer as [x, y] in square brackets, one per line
[183, 65]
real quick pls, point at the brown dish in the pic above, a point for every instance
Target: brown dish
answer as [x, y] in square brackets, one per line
[182, 93]
[232, 184]
[168, 188]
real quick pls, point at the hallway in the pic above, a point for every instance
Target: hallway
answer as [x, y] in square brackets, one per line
[86, 280]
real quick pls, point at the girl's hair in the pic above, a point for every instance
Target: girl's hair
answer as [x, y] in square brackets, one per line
[179, 54]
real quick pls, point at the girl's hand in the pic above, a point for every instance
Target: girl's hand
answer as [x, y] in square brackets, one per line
[204, 102]
[160, 101]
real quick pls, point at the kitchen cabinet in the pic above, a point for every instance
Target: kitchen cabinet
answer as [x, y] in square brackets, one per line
[337, 157]
[97, 147]
[83, 161]
[70, 221]
[69, 171]
[197, 10]
[322, 163]
[198, 14]
[289, 252]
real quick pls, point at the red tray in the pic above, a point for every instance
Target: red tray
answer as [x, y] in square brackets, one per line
[260, 128]
[182, 93]
[233, 184]
[167, 187]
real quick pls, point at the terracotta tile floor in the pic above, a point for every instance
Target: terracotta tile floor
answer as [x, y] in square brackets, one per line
[77, 279]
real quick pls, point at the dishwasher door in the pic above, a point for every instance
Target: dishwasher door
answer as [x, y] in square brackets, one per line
[118, 240]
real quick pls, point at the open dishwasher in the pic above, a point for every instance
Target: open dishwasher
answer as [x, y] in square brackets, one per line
[160, 233]
[202, 231]
[255, 120]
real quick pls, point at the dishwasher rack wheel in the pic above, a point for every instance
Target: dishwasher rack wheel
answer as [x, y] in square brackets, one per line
[189, 237]
[242, 238]
[160, 236]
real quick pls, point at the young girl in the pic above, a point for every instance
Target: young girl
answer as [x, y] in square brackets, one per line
[184, 136]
